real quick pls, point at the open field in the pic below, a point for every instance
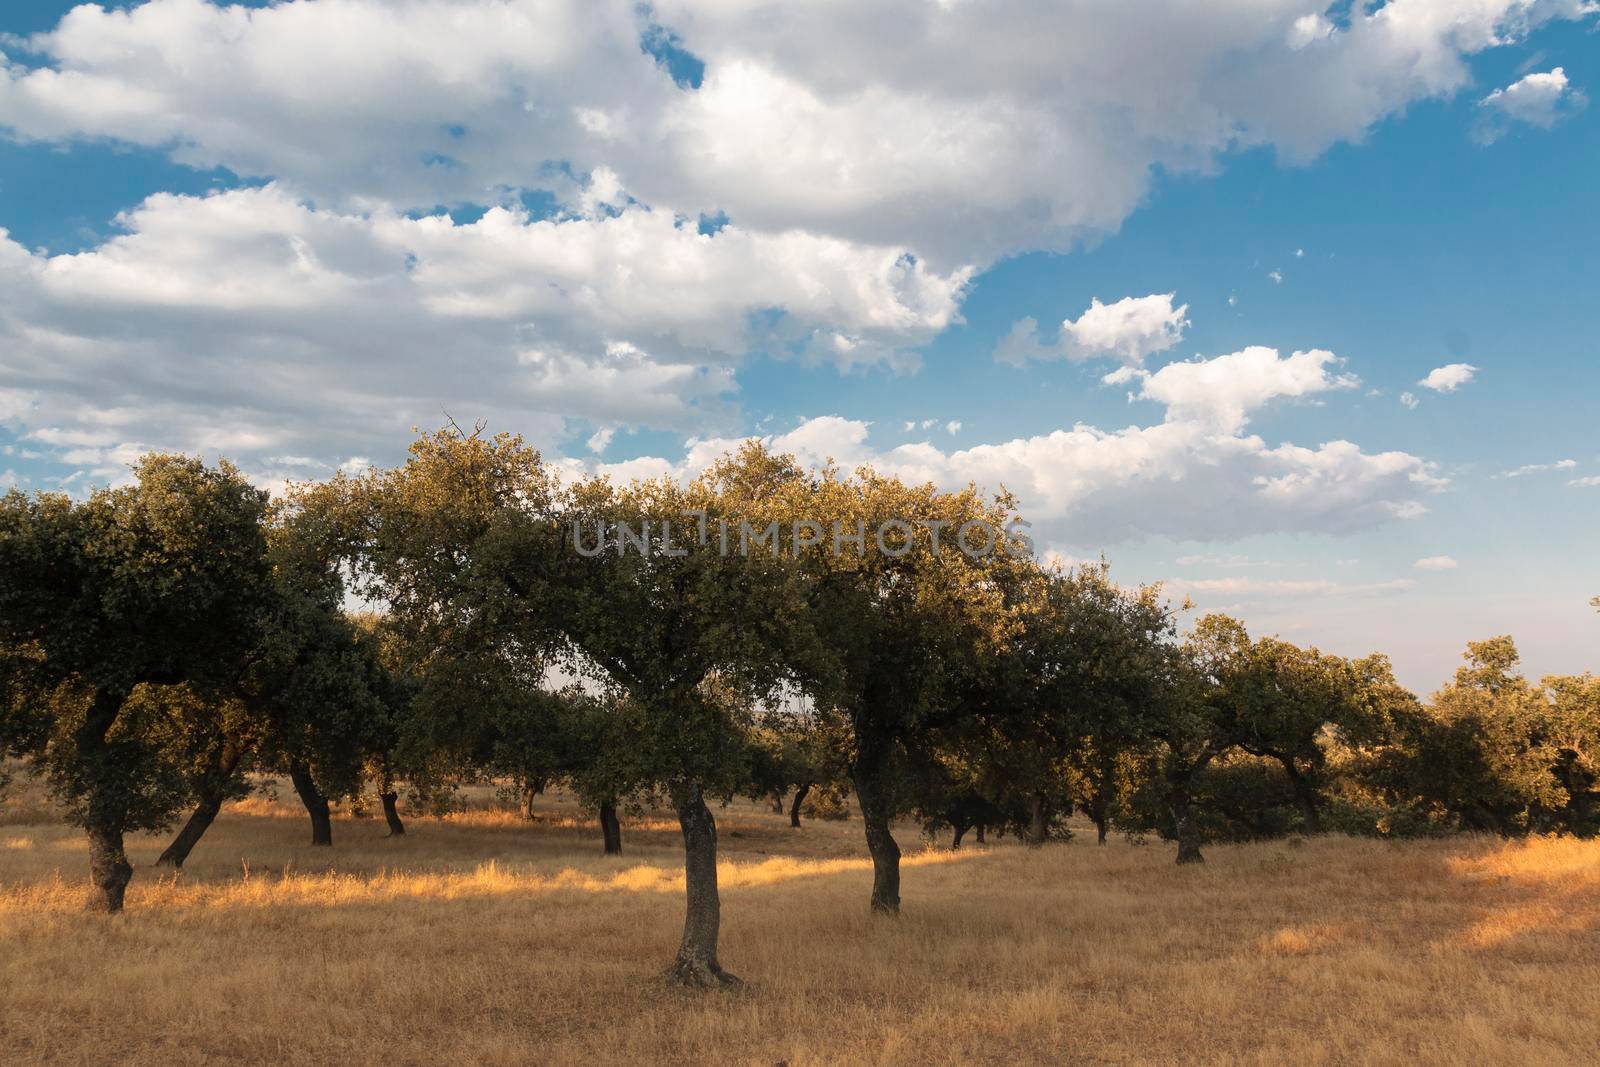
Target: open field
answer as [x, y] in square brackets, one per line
[480, 938]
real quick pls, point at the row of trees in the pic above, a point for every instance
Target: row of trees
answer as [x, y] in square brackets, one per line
[159, 642]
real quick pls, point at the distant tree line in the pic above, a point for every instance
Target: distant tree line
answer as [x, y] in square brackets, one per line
[161, 642]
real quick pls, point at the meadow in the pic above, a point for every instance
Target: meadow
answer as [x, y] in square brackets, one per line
[484, 938]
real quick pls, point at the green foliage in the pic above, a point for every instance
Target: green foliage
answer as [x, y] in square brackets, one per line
[112, 601]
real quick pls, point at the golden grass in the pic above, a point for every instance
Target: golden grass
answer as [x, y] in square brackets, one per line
[480, 938]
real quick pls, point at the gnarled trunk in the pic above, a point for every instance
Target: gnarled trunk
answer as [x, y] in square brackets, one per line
[1036, 821]
[316, 804]
[981, 829]
[777, 801]
[205, 812]
[210, 792]
[109, 869]
[530, 789]
[877, 809]
[799, 799]
[391, 813]
[1100, 829]
[610, 829]
[1184, 830]
[696, 964]
[955, 842]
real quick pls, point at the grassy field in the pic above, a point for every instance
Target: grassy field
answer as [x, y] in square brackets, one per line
[483, 939]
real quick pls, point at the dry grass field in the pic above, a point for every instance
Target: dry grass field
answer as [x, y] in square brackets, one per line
[483, 939]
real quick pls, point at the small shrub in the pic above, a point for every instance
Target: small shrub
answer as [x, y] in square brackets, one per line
[829, 805]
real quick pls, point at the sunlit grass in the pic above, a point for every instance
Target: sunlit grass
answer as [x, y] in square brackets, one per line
[482, 938]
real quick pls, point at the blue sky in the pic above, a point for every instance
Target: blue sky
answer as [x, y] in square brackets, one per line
[1300, 177]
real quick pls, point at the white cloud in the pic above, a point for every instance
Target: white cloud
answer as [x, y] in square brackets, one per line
[1276, 276]
[1436, 563]
[1536, 468]
[600, 440]
[1540, 100]
[864, 188]
[1585, 483]
[1232, 561]
[1449, 378]
[1410, 400]
[978, 137]
[1274, 589]
[251, 323]
[1221, 392]
[1194, 476]
[953, 426]
[1130, 330]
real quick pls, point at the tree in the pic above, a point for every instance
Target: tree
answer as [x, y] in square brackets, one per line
[161, 583]
[1575, 736]
[690, 636]
[1488, 747]
[591, 741]
[456, 548]
[1103, 666]
[210, 745]
[796, 746]
[895, 610]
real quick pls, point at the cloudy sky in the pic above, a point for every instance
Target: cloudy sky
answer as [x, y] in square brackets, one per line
[1290, 306]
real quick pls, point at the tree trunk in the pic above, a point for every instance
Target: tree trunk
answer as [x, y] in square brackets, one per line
[205, 812]
[109, 870]
[530, 789]
[981, 828]
[1183, 830]
[211, 791]
[876, 812]
[777, 802]
[696, 964]
[316, 804]
[799, 799]
[611, 830]
[1304, 795]
[1036, 821]
[1099, 807]
[955, 842]
[391, 814]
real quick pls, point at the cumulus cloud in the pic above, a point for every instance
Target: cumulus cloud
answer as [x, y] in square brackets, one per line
[1221, 392]
[1194, 476]
[1539, 100]
[976, 138]
[1436, 563]
[1130, 330]
[859, 191]
[1449, 378]
[1585, 483]
[251, 322]
[1410, 401]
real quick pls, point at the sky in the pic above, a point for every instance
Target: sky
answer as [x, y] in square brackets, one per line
[1288, 306]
